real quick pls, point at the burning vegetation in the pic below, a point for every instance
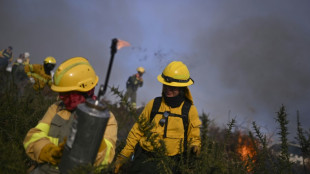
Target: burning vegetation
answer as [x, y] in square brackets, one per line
[245, 148]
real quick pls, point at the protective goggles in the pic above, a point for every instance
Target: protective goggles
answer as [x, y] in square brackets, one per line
[170, 79]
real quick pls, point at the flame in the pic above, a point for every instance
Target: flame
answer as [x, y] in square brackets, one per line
[246, 149]
[121, 44]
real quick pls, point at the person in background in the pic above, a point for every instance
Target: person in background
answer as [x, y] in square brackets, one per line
[6, 56]
[41, 75]
[27, 59]
[133, 83]
[19, 61]
[20, 78]
[75, 81]
[175, 122]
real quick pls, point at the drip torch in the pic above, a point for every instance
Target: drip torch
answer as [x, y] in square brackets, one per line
[88, 127]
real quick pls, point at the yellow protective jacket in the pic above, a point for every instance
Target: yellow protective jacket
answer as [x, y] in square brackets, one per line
[27, 60]
[175, 129]
[38, 136]
[37, 72]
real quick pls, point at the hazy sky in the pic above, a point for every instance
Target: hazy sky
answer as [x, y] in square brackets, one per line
[247, 57]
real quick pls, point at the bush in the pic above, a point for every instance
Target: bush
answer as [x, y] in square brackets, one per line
[18, 113]
[222, 150]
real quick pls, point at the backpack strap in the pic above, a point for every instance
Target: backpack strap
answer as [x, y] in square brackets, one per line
[185, 109]
[155, 108]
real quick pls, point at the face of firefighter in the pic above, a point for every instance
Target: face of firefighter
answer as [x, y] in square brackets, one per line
[49, 66]
[171, 91]
[140, 74]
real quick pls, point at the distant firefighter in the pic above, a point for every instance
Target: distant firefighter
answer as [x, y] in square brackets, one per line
[40, 75]
[133, 83]
[27, 59]
[6, 56]
[19, 62]
[19, 76]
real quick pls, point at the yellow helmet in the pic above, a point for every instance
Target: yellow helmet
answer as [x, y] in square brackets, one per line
[140, 69]
[50, 60]
[175, 74]
[75, 74]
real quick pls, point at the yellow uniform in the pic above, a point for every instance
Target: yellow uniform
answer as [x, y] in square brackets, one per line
[36, 71]
[175, 129]
[46, 132]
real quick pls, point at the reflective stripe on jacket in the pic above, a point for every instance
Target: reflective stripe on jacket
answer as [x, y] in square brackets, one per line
[175, 129]
[55, 125]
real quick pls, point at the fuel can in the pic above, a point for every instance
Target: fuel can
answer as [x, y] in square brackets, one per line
[86, 134]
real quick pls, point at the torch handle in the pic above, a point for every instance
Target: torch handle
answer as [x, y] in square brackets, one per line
[103, 89]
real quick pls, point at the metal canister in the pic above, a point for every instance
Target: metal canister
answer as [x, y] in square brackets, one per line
[87, 130]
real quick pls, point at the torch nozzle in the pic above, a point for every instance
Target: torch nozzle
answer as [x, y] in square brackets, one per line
[103, 89]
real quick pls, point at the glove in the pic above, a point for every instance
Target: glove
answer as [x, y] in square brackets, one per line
[120, 161]
[51, 153]
[195, 150]
[32, 80]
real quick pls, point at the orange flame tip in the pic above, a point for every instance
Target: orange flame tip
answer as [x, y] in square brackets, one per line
[121, 44]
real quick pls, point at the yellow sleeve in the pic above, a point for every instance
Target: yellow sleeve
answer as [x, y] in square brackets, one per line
[135, 134]
[193, 134]
[37, 138]
[27, 70]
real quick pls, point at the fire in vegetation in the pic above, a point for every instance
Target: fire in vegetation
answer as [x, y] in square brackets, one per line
[246, 149]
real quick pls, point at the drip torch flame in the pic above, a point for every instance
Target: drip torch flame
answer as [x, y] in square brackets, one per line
[121, 44]
[116, 45]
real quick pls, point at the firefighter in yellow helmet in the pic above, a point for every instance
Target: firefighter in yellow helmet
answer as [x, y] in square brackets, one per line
[175, 122]
[133, 83]
[74, 80]
[41, 75]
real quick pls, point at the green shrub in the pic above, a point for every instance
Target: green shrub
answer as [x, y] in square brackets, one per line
[20, 111]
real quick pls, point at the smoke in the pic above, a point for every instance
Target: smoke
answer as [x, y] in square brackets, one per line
[247, 58]
[261, 63]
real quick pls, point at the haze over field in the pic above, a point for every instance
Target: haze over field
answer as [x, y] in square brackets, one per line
[247, 57]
